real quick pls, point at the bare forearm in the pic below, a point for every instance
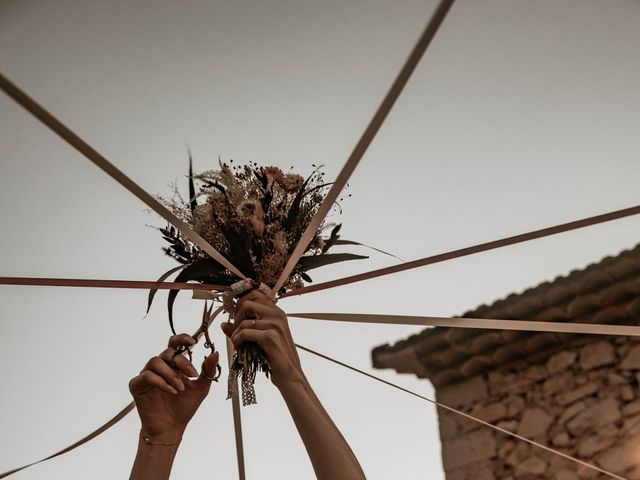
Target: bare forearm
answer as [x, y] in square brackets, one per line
[154, 459]
[328, 451]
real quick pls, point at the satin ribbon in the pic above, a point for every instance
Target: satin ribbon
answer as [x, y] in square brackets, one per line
[237, 418]
[367, 137]
[482, 323]
[90, 153]
[97, 283]
[119, 416]
[483, 247]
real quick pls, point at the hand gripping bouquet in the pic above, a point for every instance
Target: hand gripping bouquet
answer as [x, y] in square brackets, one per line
[254, 216]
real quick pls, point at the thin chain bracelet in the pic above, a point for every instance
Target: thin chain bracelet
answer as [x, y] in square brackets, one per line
[148, 441]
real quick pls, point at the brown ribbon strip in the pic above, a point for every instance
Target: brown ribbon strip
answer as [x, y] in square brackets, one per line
[97, 283]
[483, 323]
[119, 416]
[89, 152]
[483, 247]
[367, 137]
[466, 415]
[237, 419]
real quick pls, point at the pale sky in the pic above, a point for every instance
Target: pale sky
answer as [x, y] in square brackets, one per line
[522, 115]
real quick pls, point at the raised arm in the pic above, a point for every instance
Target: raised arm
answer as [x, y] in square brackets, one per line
[167, 392]
[259, 320]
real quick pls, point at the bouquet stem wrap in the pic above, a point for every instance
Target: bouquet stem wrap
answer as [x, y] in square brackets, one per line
[249, 358]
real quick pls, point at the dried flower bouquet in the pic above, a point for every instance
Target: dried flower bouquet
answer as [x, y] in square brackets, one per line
[254, 216]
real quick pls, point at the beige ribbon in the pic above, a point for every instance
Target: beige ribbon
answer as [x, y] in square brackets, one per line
[366, 138]
[100, 283]
[483, 323]
[466, 415]
[89, 152]
[237, 419]
[483, 247]
[119, 416]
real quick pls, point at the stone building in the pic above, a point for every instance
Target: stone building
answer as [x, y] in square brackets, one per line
[576, 393]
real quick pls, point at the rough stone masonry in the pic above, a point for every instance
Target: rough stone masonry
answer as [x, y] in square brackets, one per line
[579, 394]
[583, 401]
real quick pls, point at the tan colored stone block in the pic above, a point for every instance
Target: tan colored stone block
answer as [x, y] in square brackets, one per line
[596, 416]
[508, 425]
[571, 412]
[490, 413]
[561, 440]
[556, 462]
[557, 383]
[599, 375]
[626, 393]
[631, 361]
[587, 472]
[579, 393]
[615, 378]
[596, 355]
[561, 361]
[621, 457]
[510, 383]
[471, 448]
[463, 394]
[593, 444]
[631, 408]
[608, 430]
[518, 455]
[530, 466]
[534, 423]
[631, 425]
[506, 449]
[565, 474]
[515, 405]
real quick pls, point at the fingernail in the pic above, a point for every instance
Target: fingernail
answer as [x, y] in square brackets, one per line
[190, 341]
[192, 372]
[178, 383]
[172, 390]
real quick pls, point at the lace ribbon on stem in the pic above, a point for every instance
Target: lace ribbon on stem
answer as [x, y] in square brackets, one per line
[249, 358]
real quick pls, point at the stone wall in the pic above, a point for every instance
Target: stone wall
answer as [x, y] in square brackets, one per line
[583, 400]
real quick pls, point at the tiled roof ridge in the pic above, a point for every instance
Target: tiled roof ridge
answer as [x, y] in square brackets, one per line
[602, 292]
[594, 271]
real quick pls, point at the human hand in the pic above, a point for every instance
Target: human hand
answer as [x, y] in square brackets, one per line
[258, 320]
[167, 398]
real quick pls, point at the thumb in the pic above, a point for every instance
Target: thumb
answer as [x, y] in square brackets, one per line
[210, 370]
[228, 328]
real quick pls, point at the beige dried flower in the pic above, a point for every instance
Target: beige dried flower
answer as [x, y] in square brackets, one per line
[250, 212]
[291, 182]
[202, 218]
[273, 174]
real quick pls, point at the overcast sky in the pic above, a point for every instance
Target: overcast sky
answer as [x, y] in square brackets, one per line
[522, 115]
